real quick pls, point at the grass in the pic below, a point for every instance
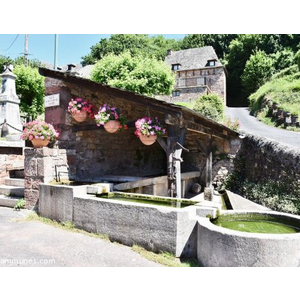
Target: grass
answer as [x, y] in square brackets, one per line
[69, 226]
[164, 258]
[189, 105]
[285, 91]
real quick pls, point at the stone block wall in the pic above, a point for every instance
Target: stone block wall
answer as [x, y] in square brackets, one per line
[215, 80]
[10, 159]
[217, 83]
[266, 159]
[100, 154]
[42, 166]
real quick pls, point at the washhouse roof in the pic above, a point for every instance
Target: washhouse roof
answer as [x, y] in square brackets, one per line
[189, 118]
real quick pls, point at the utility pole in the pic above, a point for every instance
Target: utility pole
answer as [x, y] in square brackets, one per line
[55, 50]
[26, 51]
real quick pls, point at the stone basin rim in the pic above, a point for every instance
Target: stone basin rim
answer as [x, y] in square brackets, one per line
[208, 224]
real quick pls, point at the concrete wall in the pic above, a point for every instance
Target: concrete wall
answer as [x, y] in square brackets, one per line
[154, 228]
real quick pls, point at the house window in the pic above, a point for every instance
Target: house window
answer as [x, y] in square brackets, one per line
[175, 93]
[175, 67]
[211, 63]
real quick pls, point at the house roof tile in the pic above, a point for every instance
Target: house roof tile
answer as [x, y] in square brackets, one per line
[194, 58]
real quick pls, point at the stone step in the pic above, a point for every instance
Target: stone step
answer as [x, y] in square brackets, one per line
[19, 182]
[8, 190]
[9, 201]
[16, 174]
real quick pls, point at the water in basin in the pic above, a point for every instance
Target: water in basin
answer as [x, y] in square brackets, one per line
[257, 223]
[147, 199]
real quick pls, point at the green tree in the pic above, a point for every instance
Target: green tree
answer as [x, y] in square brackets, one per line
[143, 75]
[297, 59]
[211, 106]
[219, 42]
[259, 68]
[283, 59]
[4, 60]
[30, 87]
[136, 44]
[240, 50]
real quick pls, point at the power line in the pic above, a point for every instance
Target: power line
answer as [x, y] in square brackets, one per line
[12, 43]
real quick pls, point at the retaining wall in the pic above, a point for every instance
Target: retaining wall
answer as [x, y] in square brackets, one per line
[265, 159]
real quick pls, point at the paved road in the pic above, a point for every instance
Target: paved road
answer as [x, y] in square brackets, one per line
[34, 244]
[251, 125]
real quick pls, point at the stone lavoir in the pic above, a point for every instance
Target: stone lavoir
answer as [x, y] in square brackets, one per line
[191, 144]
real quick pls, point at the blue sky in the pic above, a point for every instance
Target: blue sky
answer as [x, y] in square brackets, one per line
[71, 47]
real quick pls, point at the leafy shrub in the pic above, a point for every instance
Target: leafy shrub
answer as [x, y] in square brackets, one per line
[297, 59]
[274, 195]
[234, 125]
[211, 106]
[30, 87]
[143, 75]
[258, 70]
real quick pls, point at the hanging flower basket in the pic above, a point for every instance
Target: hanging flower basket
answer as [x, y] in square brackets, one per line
[80, 116]
[148, 139]
[80, 109]
[39, 133]
[147, 130]
[112, 126]
[111, 118]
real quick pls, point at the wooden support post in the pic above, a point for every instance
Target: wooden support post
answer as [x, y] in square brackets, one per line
[171, 168]
[177, 165]
[209, 164]
[208, 190]
[173, 148]
[209, 170]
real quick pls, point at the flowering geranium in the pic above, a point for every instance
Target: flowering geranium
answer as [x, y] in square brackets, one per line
[80, 104]
[39, 130]
[148, 126]
[107, 113]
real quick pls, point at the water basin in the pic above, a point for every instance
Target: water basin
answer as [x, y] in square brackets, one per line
[257, 223]
[249, 239]
[147, 199]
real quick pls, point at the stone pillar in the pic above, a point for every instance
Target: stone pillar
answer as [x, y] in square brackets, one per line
[9, 102]
[42, 166]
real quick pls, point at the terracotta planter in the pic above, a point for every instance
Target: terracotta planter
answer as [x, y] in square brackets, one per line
[39, 143]
[112, 126]
[80, 116]
[148, 139]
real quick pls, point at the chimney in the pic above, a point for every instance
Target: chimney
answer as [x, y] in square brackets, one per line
[70, 68]
[169, 52]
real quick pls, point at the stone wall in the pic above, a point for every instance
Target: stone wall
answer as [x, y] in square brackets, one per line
[100, 154]
[215, 81]
[43, 165]
[266, 159]
[11, 158]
